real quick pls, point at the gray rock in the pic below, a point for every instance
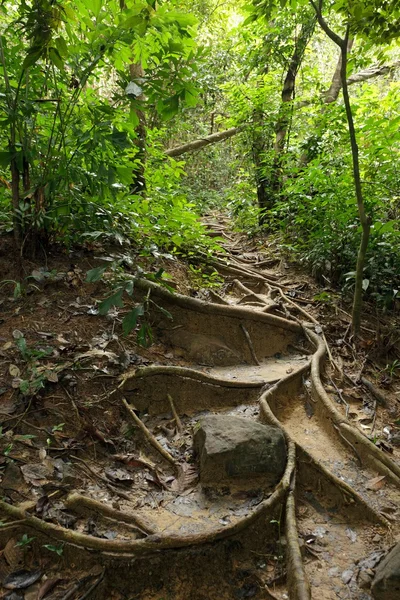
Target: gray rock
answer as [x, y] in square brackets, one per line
[386, 583]
[236, 448]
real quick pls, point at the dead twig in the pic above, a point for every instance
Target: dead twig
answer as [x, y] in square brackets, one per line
[149, 436]
[78, 416]
[348, 443]
[77, 586]
[339, 393]
[250, 344]
[93, 586]
[378, 395]
[111, 487]
[176, 416]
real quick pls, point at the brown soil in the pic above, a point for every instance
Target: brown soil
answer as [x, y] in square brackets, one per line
[65, 429]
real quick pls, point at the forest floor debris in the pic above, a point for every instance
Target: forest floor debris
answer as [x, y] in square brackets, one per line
[71, 457]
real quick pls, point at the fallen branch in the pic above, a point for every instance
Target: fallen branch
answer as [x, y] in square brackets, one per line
[149, 436]
[381, 398]
[205, 141]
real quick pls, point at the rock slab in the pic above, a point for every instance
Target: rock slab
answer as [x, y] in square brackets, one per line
[235, 448]
[386, 583]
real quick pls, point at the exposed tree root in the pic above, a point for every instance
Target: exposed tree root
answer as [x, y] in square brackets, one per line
[155, 543]
[189, 373]
[216, 309]
[365, 448]
[349, 494]
[298, 585]
[82, 504]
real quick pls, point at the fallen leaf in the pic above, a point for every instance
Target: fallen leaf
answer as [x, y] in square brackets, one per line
[119, 476]
[48, 585]
[35, 474]
[52, 377]
[13, 554]
[376, 483]
[21, 579]
[14, 371]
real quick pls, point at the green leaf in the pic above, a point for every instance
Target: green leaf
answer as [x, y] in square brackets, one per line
[95, 274]
[169, 107]
[5, 159]
[182, 19]
[132, 22]
[130, 320]
[61, 46]
[114, 300]
[56, 59]
[32, 57]
[96, 5]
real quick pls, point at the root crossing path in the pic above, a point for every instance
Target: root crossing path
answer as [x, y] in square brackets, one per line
[249, 350]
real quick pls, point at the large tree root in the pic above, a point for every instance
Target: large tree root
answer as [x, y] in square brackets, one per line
[155, 543]
[83, 504]
[350, 496]
[186, 372]
[365, 448]
[209, 308]
[297, 578]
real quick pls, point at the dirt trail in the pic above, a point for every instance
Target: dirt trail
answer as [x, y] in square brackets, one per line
[145, 526]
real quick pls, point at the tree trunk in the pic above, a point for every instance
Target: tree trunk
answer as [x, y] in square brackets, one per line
[288, 90]
[281, 128]
[365, 220]
[15, 180]
[139, 181]
[332, 94]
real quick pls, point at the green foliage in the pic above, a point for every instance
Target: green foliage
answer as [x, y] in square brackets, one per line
[123, 285]
[24, 541]
[317, 212]
[69, 137]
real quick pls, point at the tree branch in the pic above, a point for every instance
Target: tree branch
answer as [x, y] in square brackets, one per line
[200, 143]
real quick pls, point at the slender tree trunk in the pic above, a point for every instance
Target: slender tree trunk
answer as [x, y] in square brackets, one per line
[365, 220]
[288, 91]
[332, 94]
[139, 181]
[281, 128]
[15, 181]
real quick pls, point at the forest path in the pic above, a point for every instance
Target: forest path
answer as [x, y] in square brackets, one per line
[129, 510]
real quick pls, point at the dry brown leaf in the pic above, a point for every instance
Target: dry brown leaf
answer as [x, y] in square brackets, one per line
[376, 483]
[14, 371]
